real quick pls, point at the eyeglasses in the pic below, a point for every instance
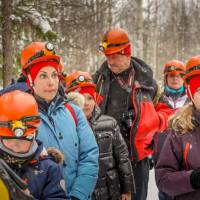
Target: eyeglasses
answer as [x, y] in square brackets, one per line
[79, 80]
[18, 127]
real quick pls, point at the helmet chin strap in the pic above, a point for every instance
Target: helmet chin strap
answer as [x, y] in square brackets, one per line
[189, 92]
[31, 82]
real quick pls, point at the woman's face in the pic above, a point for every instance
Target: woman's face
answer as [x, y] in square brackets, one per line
[17, 145]
[196, 99]
[89, 105]
[174, 81]
[46, 83]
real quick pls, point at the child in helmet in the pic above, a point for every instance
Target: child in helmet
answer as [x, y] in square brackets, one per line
[175, 94]
[19, 120]
[178, 166]
[115, 179]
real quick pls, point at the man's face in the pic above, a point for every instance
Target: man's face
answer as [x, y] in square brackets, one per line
[174, 81]
[118, 62]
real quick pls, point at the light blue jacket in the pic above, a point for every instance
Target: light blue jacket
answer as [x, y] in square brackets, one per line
[77, 143]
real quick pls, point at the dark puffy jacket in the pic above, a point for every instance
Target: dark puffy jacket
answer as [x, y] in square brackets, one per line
[178, 158]
[176, 102]
[44, 177]
[115, 172]
[148, 118]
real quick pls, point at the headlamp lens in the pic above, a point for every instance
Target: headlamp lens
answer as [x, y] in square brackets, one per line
[49, 46]
[81, 78]
[103, 46]
[18, 128]
[19, 132]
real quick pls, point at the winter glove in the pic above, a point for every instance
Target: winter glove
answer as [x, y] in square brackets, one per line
[56, 155]
[195, 179]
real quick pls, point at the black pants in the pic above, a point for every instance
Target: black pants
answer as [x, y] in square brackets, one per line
[141, 174]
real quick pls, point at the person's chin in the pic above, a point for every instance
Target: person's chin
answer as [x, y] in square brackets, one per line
[50, 97]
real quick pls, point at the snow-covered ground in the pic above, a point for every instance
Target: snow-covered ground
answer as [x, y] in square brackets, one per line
[152, 191]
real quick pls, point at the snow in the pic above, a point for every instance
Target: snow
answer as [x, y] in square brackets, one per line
[38, 20]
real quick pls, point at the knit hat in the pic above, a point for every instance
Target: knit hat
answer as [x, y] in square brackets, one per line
[34, 70]
[193, 85]
[126, 51]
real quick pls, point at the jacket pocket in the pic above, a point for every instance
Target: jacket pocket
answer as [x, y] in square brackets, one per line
[113, 184]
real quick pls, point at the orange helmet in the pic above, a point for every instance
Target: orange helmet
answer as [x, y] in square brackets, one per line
[192, 68]
[19, 115]
[113, 41]
[174, 67]
[38, 52]
[78, 79]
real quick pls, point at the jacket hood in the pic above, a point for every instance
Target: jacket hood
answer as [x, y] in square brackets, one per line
[143, 72]
[76, 98]
[40, 151]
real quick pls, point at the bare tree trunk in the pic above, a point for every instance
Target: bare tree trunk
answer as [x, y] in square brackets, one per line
[7, 48]
[140, 30]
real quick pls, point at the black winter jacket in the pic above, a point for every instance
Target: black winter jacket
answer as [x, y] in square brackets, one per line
[148, 118]
[115, 171]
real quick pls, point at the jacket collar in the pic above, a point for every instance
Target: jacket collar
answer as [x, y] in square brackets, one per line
[95, 114]
[143, 73]
[51, 106]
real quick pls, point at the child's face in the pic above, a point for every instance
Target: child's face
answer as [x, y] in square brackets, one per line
[89, 105]
[17, 145]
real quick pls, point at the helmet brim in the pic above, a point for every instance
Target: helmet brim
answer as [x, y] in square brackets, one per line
[40, 59]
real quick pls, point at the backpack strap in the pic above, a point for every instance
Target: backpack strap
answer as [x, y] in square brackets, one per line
[71, 110]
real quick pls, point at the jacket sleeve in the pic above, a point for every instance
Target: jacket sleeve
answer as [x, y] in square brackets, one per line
[164, 111]
[123, 163]
[170, 178]
[88, 159]
[162, 107]
[54, 188]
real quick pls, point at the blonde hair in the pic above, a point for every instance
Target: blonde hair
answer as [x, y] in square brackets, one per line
[181, 121]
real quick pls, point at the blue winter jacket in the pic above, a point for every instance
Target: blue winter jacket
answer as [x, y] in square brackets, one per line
[78, 144]
[58, 129]
[44, 177]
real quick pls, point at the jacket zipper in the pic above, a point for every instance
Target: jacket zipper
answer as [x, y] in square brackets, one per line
[136, 106]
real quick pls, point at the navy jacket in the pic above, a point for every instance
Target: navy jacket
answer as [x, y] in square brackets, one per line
[43, 176]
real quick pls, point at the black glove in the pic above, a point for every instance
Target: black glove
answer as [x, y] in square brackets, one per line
[195, 179]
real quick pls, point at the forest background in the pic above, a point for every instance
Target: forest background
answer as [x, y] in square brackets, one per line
[159, 30]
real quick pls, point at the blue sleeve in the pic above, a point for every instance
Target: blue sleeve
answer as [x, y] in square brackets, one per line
[55, 185]
[16, 86]
[88, 166]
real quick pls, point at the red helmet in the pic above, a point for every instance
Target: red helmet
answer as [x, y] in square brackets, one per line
[38, 52]
[78, 79]
[192, 68]
[114, 41]
[174, 67]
